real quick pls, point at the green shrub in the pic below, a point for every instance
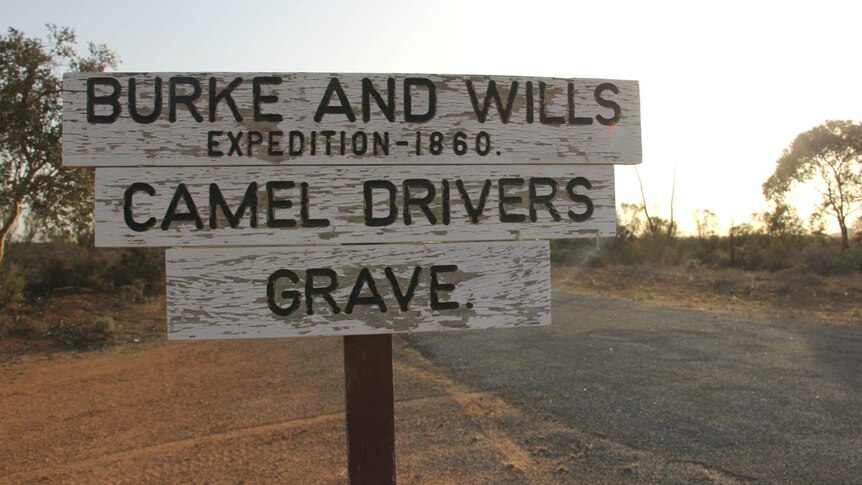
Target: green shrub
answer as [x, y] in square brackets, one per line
[14, 324]
[135, 292]
[81, 334]
[59, 264]
[12, 285]
[749, 249]
[829, 262]
[105, 328]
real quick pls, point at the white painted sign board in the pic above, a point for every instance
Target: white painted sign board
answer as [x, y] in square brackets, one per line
[172, 119]
[207, 206]
[254, 164]
[231, 293]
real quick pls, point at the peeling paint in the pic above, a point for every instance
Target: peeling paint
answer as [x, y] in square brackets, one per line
[221, 292]
[125, 142]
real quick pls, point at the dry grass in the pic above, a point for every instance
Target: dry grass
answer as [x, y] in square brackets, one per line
[788, 294]
[40, 325]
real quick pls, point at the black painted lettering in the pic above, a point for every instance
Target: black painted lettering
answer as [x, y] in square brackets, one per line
[544, 118]
[359, 142]
[325, 291]
[253, 138]
[474, 211]
[529, 86]
[580, 198]
[368, 196]
[403, 297]
[328, 134]
[492, 93]
[606, 103]
[112, 100]
[409, 115]
[420, 202]
[343, 108]
[127, 207]
[272, 204]
[575, 120]
[187, 100]
[364, 279]
[296, 144]
[386, 107]
[510, 199]
[305, 208]
[274, 149]
[225, 94]
[437, 286]
[212, 144]
[258, 98]
[249, 202]
[446, 214]
[546, 199]
[192, 215]
[234, 143]
[381, 142]
[292, 295]
[133, 102]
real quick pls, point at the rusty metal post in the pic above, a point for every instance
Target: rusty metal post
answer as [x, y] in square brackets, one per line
[370, 409]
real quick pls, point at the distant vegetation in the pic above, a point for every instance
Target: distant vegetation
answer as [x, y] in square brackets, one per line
[35, 271]
[52, 205]
[62, 265]
[33, 181]
[774, 240]
[826, 159]
[53, 202]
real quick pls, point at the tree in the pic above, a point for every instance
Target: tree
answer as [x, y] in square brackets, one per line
[31, 176]
[781, 221]
[827, 158]
[659, 227]
[706, 222]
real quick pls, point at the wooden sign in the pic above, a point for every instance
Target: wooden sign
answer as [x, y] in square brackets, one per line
[171, 119]
[227, 293]
[205, 206]
[255, 164]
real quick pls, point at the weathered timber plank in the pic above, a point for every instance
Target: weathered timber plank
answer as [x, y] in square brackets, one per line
[337, 195]
[222, 293]
[596, 121]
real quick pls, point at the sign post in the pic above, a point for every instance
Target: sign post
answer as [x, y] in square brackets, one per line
[370, 409]
[356, 205]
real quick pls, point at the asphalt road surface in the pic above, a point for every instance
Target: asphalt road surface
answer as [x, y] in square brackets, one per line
[648, 394]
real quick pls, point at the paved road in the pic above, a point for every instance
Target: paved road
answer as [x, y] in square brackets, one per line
[620, 391]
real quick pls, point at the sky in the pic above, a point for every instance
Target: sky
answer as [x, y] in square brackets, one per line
[725, 86]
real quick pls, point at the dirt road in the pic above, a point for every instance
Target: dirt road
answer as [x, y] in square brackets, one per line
[613, 391]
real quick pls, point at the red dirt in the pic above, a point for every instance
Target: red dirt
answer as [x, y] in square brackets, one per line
[241, 411]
